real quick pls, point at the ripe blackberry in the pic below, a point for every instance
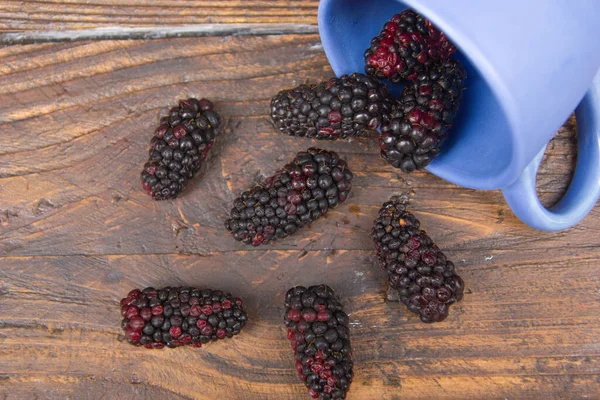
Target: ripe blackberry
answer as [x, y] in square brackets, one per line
[319, 334]
[298, 194]
[173, 317]
[425, 280]
[179, 146]
[337, 108]
[418, 125]
[406, 46]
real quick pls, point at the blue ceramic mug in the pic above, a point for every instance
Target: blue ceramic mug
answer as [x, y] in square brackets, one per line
[530, 63]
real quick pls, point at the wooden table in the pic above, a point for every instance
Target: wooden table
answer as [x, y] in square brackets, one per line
[77, 110]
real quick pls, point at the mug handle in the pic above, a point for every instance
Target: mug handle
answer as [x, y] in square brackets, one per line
[584, 190]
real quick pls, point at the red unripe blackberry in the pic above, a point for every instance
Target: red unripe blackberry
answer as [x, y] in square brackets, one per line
[406, 46]
[425, 279]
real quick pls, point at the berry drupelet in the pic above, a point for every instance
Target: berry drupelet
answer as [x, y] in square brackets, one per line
[425, 280]
[406, 46]
[418, 125]
[319, 335]
[298, 194]
[173, 317]
[337, 108]
[179, 146]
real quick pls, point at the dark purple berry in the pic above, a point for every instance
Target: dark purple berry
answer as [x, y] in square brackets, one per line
[418, 125]
[180, 316]
[301, 192]
[406, 46]
[338, 108]
[421, 274]
[179, 146]
[322, 349]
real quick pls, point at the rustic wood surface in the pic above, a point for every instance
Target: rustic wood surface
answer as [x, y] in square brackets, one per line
[77, 233]
[46, 15]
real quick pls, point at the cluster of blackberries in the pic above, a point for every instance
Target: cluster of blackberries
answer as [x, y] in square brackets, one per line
[413, 129]
[175, 317]
[298, 194]
[425, 279]
[319, 335]
[410, 48]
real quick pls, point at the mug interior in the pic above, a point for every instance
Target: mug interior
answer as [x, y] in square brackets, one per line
[480, 148]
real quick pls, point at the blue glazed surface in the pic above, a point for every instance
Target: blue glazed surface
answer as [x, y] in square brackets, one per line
[529, 64]
[584, 189]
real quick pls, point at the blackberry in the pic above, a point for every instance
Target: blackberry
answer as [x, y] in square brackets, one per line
[406, 46]
[298, 194]
[418, 125]
[173, 317]
[337, 108]
[179, 146]
[319, 334]
[425, 280]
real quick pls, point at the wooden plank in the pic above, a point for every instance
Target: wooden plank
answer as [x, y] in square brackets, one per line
[506, 339]
[77, 232]
[119, 33]
[51, 15]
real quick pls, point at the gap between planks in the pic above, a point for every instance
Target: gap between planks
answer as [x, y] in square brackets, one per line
[121, 33]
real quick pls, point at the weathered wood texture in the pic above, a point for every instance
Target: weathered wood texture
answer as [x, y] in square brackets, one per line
[48, 15]
[77, 232]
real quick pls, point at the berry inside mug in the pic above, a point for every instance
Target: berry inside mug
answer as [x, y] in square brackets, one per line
[529, 65]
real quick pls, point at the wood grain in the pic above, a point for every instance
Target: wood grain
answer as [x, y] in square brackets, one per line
[50, 15]
[77, 233]
[120, 33]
